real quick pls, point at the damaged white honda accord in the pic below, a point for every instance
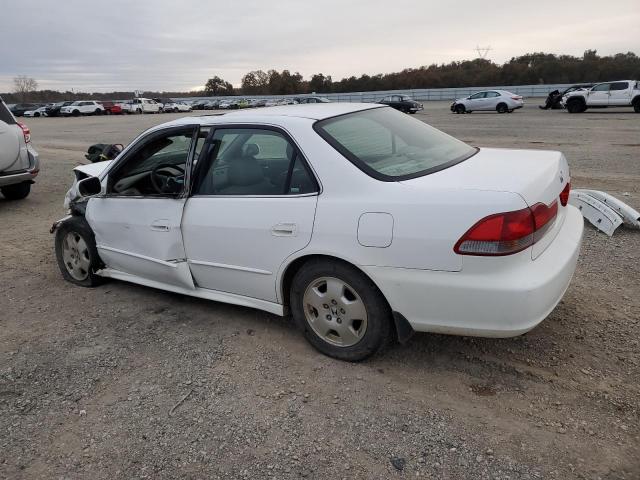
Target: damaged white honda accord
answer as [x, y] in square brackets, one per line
[365, 224]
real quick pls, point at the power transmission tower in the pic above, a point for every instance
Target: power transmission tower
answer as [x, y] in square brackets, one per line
[483, 51]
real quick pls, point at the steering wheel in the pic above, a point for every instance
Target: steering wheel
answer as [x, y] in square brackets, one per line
[164, 177]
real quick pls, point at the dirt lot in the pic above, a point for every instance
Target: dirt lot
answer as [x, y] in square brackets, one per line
[124, 381]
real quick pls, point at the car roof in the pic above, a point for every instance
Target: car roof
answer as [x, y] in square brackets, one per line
[311, 111]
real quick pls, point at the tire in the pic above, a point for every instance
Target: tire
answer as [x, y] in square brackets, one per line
[575, 106]
[138, 111]
[76, 253]
[17, 191]
[76, 113]
[350, 338]
[97, 111]
[460, 108]
[636, 105]
[502, 108]
[176, 110]
[36, 114]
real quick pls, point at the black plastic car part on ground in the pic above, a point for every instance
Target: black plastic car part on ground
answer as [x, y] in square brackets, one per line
[402, 103]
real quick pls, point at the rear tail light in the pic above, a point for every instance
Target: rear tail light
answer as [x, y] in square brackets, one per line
[509, 232]
[564, 194]
[26, 132]
[516, 97]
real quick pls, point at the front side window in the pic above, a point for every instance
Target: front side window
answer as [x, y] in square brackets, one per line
[156, 168]
[253, 161]
[603, 87]
[391, 146]
[477, 95]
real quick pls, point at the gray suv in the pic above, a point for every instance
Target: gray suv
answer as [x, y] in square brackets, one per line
[19, 162]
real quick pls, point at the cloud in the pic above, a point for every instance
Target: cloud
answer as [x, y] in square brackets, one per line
[94, 45]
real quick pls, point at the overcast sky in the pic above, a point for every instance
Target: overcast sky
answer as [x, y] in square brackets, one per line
[108, 45]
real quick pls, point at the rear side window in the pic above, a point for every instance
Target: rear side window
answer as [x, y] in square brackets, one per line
[253, 161]
[619, 86]
[390, 146]
[5, 114]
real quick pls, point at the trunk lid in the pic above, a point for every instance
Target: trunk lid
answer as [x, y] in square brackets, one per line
[535, 175]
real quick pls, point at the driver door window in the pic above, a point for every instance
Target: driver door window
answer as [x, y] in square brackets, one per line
[477, 96]
[157, 168]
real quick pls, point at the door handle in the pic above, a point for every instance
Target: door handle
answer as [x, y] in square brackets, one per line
[161, 225]
[284, 230]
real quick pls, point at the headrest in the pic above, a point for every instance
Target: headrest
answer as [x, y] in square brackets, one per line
[251, 150]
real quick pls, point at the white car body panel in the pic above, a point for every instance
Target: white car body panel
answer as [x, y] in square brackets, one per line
[630, 216]
[280, 226]
[141, 237]
[405, 246]
[601, 216]
[11, 139]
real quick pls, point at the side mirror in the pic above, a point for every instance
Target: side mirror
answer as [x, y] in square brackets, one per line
[89, 186]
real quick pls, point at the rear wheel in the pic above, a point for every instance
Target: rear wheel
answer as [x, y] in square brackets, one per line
[76, 252]
[460, 108]
[341, 311]
[502, 108]
[636, 105]
[97, 111]
[138, 111]
[17, 191]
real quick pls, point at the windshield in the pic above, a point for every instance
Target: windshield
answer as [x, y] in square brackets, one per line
[389, 145]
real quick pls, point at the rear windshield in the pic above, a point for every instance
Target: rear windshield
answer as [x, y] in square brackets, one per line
[390, 145]
[5, 114]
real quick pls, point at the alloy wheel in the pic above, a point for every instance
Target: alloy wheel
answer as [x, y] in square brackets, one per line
[335, 311]
[75, 254]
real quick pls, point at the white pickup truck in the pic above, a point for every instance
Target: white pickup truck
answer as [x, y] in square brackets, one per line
[621, 93]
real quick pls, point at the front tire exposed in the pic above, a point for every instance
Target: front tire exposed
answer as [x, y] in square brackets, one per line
[340, 310]
[76, 253]
[575, 106]
[460, 108]
[17, 191]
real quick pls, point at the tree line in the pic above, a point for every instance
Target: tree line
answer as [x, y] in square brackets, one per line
[529, 69]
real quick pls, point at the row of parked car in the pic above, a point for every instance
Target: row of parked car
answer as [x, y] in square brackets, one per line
[146, 105]
[94, 107]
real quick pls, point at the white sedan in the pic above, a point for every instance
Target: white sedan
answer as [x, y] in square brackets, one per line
[500, 101]
[364, 223]
[38, 112]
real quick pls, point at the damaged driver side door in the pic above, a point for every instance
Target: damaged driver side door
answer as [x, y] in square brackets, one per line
[137, 218]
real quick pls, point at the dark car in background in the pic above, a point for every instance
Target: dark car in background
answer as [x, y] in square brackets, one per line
[54, 110]
[313, 100]
[19, 108]
[404, 103]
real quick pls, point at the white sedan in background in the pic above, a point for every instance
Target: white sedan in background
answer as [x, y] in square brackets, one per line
[500, 101]
[38, 112]
[364, 223]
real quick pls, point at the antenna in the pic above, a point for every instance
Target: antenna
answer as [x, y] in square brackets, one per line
[483, 51]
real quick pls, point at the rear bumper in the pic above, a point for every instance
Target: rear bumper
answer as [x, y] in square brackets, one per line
[25, 175]
[491, 296]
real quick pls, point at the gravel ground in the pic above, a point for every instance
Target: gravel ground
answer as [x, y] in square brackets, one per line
[124, 381]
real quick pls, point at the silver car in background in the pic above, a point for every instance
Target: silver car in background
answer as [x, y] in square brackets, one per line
[19, 163]
[500, 101]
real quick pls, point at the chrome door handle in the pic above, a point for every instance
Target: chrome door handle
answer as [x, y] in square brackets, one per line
[284, 230]
[160, 226]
